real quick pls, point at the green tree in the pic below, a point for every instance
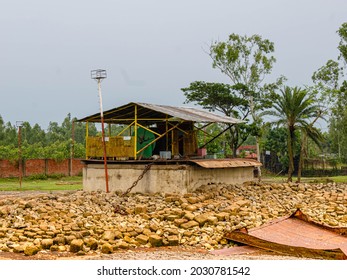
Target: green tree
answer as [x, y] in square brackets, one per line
[227, 99]
[8, 141]
[10, 134]
[343, 42]
[248, 60]
[32, 135]
[2, 130]
[330, 85]
[57, 143]
[245, 60]
[54, 133]
[275, 141]
[33, 151]
[79, 150]
[327, 79]
[208, 133]
[309, 131]
[293, 109]
[338, 124]
[8, 152]
[80, 131]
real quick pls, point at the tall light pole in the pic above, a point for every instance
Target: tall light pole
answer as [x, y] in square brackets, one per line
[72, 152]
[99, 75]
[19, 124]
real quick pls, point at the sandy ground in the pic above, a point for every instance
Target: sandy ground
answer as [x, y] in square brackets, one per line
[163, 253]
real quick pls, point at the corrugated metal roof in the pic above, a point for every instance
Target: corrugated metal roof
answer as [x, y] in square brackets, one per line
[296, 235]
[226, 163]
[190, 114]
[153, 112]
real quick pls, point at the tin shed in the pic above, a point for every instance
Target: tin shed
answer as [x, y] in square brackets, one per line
[162, 140]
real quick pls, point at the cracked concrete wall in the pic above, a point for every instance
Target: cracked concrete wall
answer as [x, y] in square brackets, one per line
[161, 178]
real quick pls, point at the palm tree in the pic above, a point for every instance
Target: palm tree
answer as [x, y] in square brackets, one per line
[314, 134]
[293, 109]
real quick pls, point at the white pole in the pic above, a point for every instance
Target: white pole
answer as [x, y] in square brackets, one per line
[100, 99]
[103, 134]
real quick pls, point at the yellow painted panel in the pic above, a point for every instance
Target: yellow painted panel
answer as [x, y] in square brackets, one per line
[116, 147]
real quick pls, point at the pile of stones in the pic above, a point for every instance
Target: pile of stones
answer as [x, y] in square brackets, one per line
[89, 222]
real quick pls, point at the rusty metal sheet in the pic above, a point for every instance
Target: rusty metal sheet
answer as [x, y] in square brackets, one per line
[226, 163]
[296, 235]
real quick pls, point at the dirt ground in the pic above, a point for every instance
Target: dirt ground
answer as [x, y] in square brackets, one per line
[163, 253]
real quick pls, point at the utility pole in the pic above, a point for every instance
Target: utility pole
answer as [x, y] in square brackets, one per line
[19, 124]
[99, 75]
[72, 152]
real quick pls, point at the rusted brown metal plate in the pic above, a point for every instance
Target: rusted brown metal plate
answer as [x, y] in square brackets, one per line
[225, 163]
[296, 235]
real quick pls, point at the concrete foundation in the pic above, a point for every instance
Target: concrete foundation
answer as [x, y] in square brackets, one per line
[175, 178]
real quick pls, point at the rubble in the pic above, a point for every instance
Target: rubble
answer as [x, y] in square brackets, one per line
[86, 222]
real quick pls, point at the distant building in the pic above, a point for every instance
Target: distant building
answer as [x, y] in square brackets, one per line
[247, 151]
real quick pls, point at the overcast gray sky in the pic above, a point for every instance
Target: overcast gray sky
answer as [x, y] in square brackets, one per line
[150, 49]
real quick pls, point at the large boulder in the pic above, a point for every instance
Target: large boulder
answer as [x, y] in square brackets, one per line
[106, 248]
[76, 245]
[156, 240]
[46, 243]
[31, 249]
[189, 224]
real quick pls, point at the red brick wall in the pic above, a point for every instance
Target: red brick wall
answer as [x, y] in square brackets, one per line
[77, 167]
[8, 169]
[41, 166]
[34, 167]
[58, 167]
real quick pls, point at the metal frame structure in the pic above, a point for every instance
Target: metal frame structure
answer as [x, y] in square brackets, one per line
[143, 115]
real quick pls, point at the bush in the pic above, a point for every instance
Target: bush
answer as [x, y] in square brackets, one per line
[45, 177]
[37, 177]
[56, 176]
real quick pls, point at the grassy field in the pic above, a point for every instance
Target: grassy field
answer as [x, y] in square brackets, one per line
[48, 184]
[75, 183]
[282, 179]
